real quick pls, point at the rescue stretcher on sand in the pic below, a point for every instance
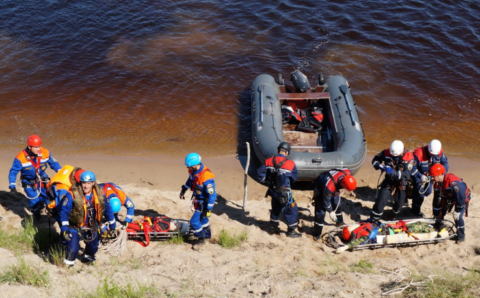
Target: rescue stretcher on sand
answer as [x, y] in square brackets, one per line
[402, 237]
[182, 228]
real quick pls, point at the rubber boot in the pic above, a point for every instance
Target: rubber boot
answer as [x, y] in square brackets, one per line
[293, 234]
[274, 230]
[208, 232]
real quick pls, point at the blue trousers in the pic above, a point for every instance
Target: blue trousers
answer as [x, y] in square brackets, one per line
[73, 245]
[200, 224]
[320, 212]
[290, 212]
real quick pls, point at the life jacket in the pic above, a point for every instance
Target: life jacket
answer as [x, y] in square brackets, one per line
[61, 180]
[65, 179]
[158, 224]
[78, 215]
[119, 193]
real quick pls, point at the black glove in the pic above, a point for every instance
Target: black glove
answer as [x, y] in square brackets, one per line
[182, 193]
[13, 190]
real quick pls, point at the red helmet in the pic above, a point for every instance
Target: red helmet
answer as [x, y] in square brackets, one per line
[348, 182]
[34, 141]
[436, 170]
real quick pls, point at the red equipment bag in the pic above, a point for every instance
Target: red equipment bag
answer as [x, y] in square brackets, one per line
[364, 229]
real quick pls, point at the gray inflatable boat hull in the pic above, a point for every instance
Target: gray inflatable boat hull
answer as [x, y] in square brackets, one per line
[348, 141]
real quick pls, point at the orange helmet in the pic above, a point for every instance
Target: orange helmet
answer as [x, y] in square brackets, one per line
[34, 141]
[436, 170]
[348, 182]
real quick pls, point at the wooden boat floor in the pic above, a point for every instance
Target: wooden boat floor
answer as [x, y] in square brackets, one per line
[302, 141]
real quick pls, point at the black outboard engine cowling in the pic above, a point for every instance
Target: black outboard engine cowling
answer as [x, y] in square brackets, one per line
[300, 81]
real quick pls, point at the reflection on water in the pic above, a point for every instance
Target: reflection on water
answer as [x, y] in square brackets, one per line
[172, 77]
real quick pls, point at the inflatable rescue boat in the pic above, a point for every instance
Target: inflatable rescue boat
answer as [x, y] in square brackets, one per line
[321, 123]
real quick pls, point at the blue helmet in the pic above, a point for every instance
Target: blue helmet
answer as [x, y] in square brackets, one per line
[87, 176]
[192, 159]
[115, 204]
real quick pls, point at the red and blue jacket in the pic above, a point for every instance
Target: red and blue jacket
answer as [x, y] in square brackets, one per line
[425, 160]
[30, 165]
[287, 173]
[202, 183]
[454, 189]
[327, 188]
[403, 166]
[111, 190]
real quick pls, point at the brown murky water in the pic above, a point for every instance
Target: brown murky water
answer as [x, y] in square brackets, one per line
[136, 77]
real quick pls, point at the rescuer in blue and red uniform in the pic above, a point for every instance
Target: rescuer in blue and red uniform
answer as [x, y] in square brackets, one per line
[280, 173]
[425, 157]
[112, 191]
[201, 182]
[453, 192]
[327, 195]
[81, 219]
[398, 164]
[32, 163]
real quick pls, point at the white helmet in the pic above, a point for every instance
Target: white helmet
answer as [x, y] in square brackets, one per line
[434, 147]
[396, 149]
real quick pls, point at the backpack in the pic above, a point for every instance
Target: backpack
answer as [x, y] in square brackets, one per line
[283, 194]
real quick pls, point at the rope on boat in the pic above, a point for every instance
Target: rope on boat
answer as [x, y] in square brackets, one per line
[398, 276]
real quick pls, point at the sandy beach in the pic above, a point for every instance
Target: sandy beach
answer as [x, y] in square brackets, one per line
[264, 265]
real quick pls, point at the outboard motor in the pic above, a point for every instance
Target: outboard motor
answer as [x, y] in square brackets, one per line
[300, 81]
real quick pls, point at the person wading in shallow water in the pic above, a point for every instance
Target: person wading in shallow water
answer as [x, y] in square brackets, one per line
[32, 163]
[280, 173]
[201, 182]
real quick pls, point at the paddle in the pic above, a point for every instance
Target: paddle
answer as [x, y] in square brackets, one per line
[344, 90]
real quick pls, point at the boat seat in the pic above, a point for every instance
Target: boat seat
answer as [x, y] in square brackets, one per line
[303, 96]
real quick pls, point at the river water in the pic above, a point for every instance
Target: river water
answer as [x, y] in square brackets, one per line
[141, 77]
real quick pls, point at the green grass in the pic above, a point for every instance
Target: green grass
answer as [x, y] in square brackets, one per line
[42, 241]
[19, 242]
[446, 285]
[228, 240]
[25, 275]
[363, 267]
[110, 289]
[330, 264]
[176, 239]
